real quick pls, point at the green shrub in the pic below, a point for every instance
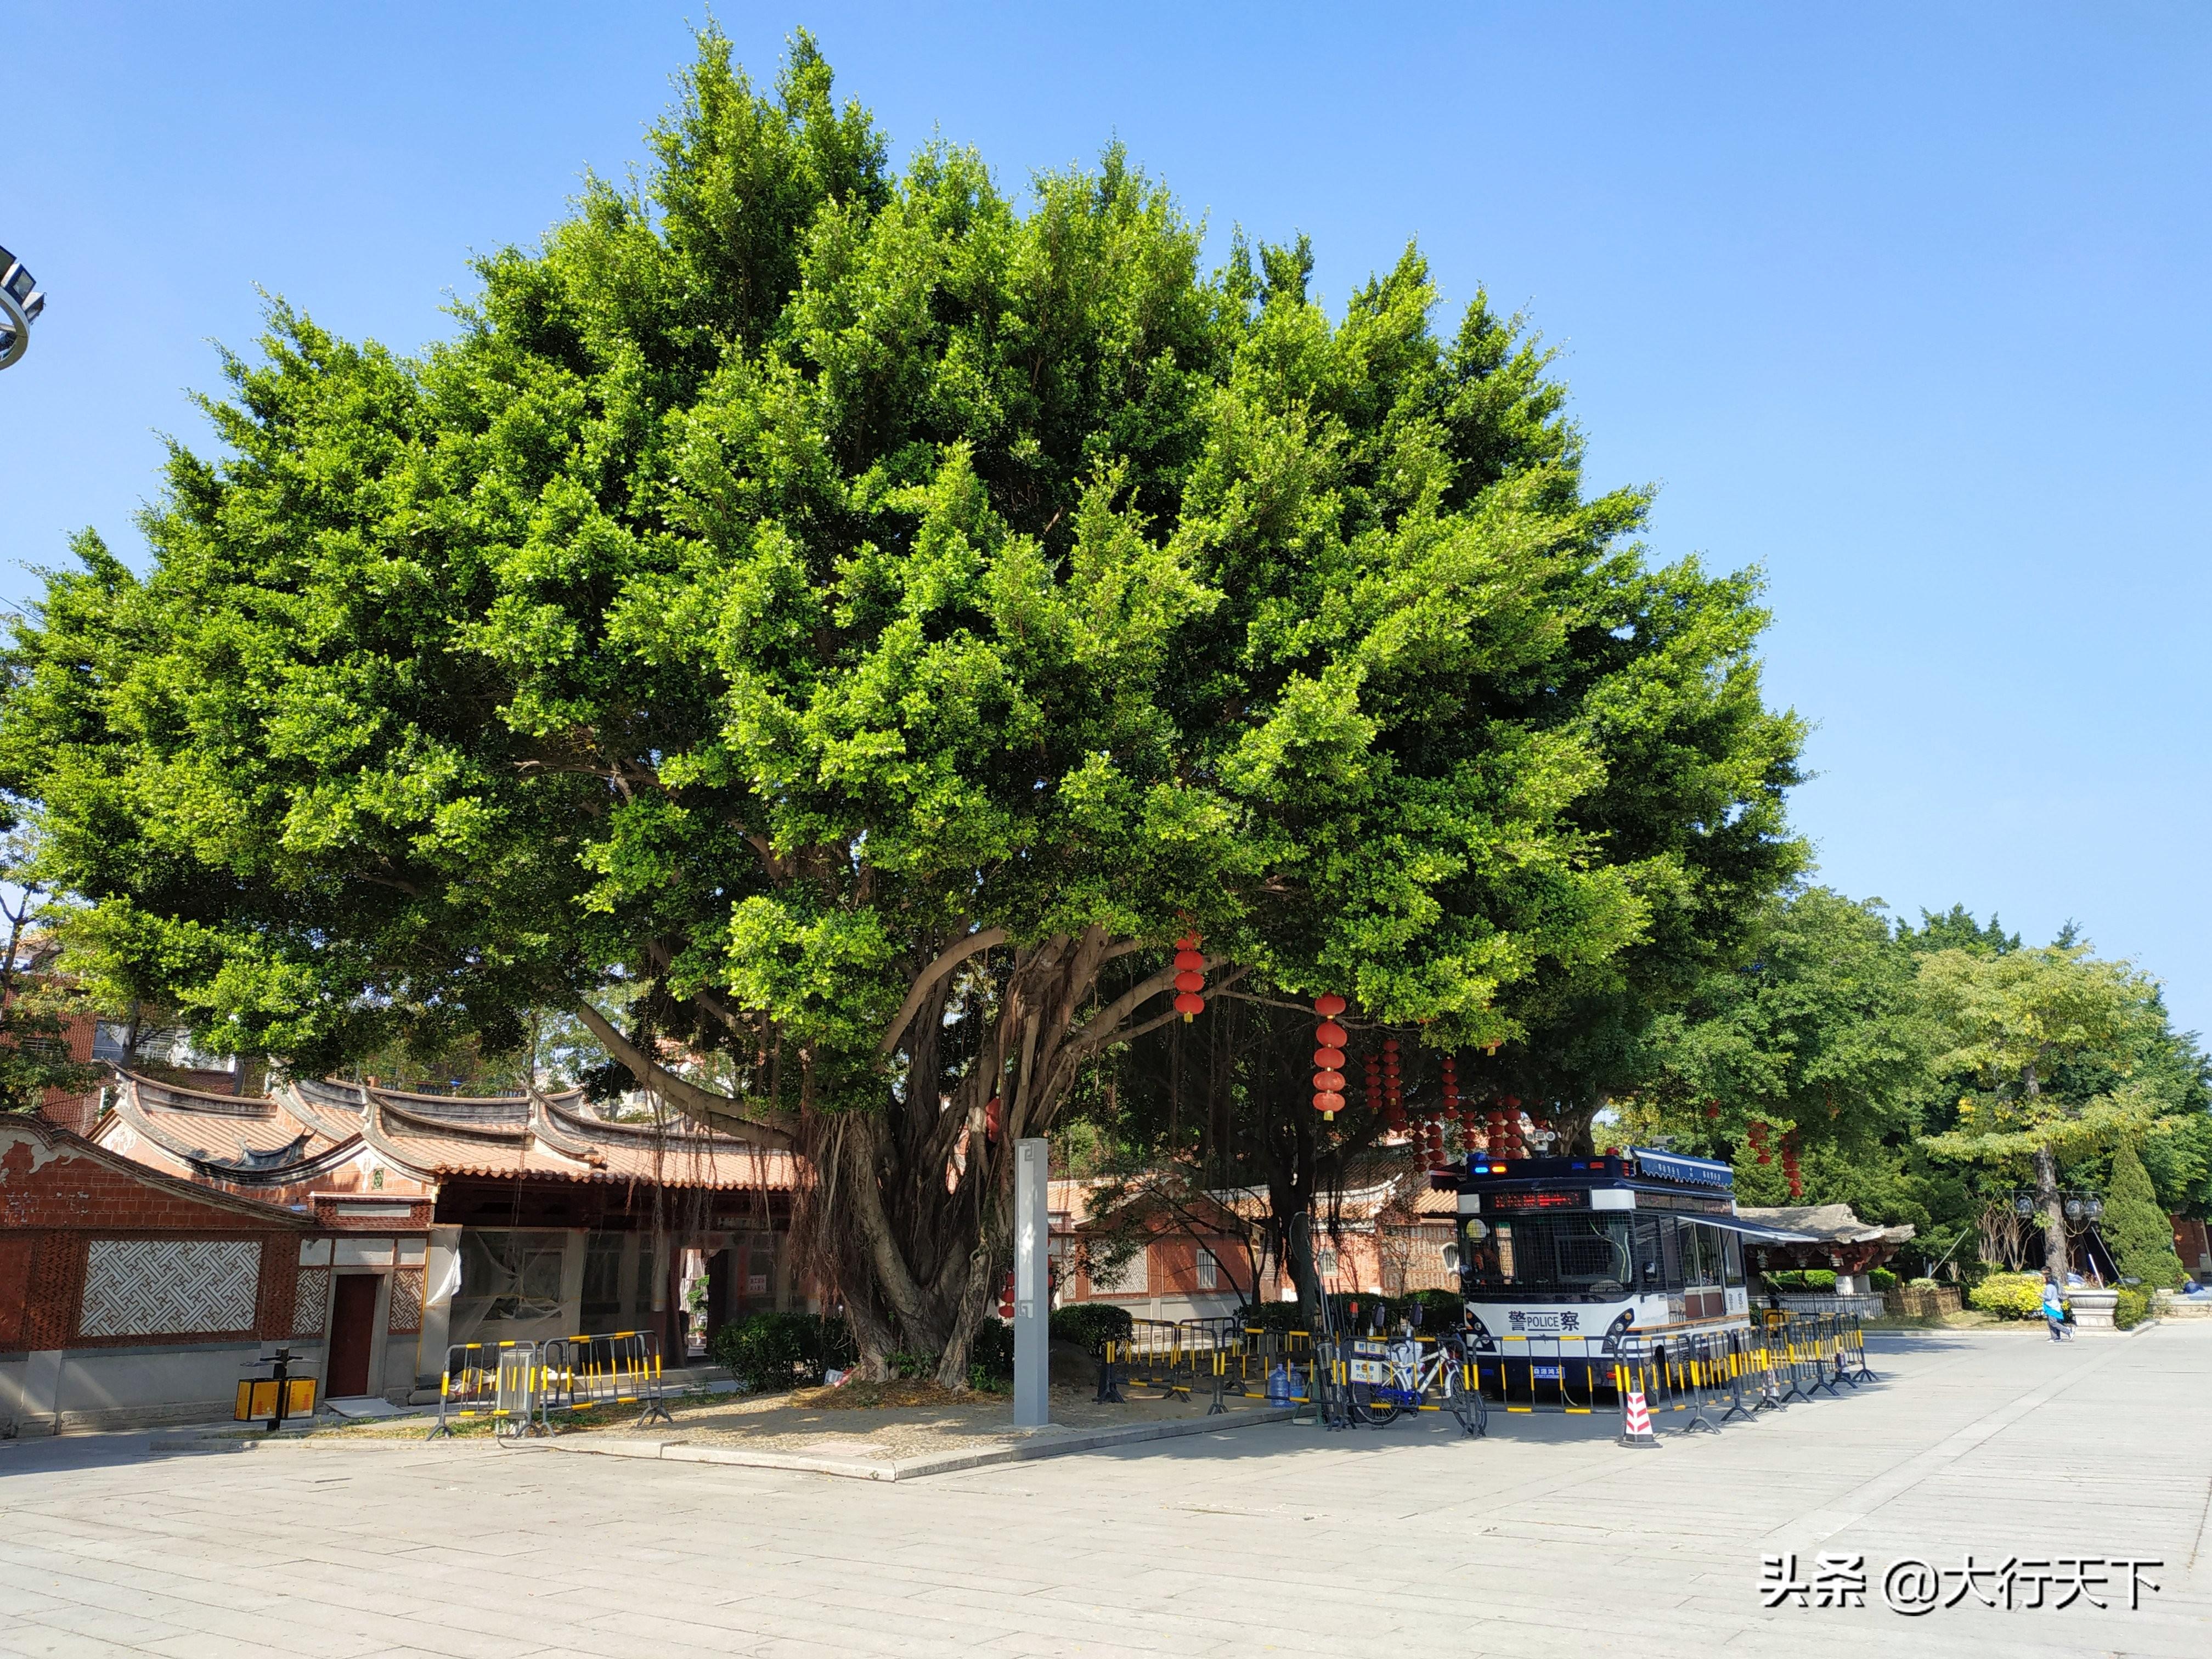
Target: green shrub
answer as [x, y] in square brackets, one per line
[1276, 1317]
[2010, 1295]
[773, 1352]
[991, 1354]
[912, 1367]
[2138, 1230]
[1440, 1310]
[1087, 1324]
[1920, 1284]
[2132, 1307]
[1883, 1280]
[1802, 1278]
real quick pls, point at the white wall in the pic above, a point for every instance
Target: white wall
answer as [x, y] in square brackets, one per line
[82, 1389]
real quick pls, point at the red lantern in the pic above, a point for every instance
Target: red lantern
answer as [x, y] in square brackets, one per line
[1328, 1058]
[1190, 977]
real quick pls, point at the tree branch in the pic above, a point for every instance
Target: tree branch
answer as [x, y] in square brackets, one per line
[1103, 1027]
[929, 976]
[716, 1111]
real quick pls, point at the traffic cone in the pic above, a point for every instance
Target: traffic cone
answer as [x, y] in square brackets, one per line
[1636, 1420]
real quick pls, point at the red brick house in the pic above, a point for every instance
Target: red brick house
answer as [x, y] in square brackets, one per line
[127, 1296]
[490, 1217]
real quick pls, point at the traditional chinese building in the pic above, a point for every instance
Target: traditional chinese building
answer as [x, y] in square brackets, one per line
[129, 1297]
[1385, 1231]
[446, 1219]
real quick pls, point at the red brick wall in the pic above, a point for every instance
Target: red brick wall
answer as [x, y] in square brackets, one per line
[2189, 1242]
[50, 1211]
[15, 1250]
[57, 1286]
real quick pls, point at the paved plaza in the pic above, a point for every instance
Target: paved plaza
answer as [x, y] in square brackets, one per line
[1546, 1538]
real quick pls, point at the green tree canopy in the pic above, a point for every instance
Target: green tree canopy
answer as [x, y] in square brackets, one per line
[2016, 1023]
[863, 620]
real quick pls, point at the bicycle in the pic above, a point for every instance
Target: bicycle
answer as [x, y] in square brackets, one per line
[1398, 1378]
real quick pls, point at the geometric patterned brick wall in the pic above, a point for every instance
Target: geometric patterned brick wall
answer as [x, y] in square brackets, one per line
[72, 1202]
[406, 1313]
[169, 1286]
[309, 1292]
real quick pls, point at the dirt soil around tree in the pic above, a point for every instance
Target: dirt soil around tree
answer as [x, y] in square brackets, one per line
[890, 1420]
[899, 1421]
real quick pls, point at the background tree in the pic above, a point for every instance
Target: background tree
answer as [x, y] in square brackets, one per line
[37, 1005]
[2013, 1023]
[2137, 1226]
[863, 624]
[1816, 1035]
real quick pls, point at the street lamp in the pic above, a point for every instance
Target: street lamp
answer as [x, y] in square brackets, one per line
[2077, 1206]
[19, 302]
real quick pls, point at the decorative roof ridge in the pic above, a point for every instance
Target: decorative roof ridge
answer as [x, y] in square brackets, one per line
[279, 1175]
[381, 1109]
[60, 1139]
[683, 1133]
[353, 1094]
[378, 1141]
[305, 1109]
[510, 1095]
[555, 1138]
[218, 1105]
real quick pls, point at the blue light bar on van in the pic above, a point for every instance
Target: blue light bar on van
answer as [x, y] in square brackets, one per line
[1538, 1169]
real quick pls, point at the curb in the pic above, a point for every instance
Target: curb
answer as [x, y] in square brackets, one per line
[912, 1468]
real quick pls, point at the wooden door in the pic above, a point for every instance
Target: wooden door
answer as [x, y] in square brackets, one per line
[353, 1332]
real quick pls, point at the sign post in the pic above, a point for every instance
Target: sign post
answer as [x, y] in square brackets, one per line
[1032, 1286]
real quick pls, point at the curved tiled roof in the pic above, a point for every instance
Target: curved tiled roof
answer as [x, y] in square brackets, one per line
[308, 1127]
[52, 1139]
[537, 1139]
[224, 1136]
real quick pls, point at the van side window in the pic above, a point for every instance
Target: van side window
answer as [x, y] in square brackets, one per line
[1650, 1270]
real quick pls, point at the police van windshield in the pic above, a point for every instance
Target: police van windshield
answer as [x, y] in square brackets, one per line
[1586, 1253]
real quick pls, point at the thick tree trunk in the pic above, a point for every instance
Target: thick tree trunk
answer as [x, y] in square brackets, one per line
[2048, 1199]
[2056, 1257]
[906, 1207]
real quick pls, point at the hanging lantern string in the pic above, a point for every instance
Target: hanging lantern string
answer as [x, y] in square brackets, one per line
[1329, 1057]
[1190, 977]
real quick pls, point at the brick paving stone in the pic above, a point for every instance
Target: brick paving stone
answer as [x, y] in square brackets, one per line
[1543, 1539]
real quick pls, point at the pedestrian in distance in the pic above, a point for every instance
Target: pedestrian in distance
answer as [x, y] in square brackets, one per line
[2054, 1308]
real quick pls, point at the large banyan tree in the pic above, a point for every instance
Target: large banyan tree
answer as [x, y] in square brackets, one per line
[848, 624]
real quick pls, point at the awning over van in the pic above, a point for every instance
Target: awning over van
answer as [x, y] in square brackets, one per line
[1757, 1232]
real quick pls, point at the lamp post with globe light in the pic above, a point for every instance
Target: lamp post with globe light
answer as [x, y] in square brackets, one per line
[20, 303]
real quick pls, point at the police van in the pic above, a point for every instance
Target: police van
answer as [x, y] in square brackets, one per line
[1578, 1255]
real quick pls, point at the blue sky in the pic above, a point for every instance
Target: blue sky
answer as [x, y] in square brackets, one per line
[1907, 304]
